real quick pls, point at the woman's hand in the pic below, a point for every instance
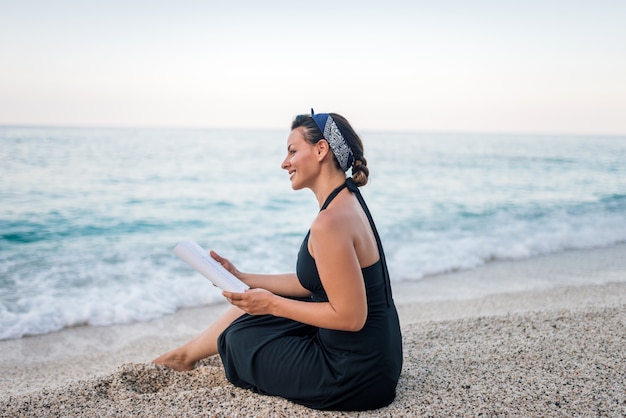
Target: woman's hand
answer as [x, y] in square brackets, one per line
[225, 263]
[252, 301]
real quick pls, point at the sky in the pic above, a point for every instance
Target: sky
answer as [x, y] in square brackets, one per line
[530, 66]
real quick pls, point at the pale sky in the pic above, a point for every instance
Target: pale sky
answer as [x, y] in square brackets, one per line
[534, 66]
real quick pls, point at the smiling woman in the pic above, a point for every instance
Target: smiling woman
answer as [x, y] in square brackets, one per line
[347, 148]
[327, 336]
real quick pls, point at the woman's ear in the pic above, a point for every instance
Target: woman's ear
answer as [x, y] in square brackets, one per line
[322, 148]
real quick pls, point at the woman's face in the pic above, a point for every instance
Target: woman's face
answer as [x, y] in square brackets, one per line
[300, 162]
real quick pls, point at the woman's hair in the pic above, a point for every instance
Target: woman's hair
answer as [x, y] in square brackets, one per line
[312, 135]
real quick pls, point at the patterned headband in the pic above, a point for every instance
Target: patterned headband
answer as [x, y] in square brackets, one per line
[337, 142]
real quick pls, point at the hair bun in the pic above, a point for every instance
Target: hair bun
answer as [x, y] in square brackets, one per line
[360, 172]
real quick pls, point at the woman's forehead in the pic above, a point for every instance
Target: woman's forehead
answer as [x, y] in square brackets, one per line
[295, 136]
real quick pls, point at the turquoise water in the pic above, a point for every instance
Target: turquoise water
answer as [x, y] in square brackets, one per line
[88, 217]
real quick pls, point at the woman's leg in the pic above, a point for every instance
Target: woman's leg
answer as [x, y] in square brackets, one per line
[203, 346]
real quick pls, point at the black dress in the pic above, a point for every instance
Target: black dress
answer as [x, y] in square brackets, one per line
[316, 367]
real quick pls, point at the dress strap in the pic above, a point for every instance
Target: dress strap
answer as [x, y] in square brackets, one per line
[355, 189]
[351, 185]
[332, 195]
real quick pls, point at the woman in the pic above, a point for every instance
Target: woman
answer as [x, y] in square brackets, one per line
[328, 336]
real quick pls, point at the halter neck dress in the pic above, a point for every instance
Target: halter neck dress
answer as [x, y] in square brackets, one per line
[317, 367]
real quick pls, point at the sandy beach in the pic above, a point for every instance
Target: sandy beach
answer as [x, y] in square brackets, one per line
[557, 350]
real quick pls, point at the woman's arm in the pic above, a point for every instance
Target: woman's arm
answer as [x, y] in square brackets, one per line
[340, 272]
[280, 284]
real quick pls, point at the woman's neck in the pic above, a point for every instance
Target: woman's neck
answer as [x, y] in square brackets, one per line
[326, 184]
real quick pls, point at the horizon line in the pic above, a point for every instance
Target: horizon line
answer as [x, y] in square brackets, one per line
[374, 130]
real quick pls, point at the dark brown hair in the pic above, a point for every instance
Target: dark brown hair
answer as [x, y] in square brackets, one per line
[360, 172]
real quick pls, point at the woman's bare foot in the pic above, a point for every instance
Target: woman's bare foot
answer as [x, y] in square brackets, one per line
[175, 360]
[184, 358]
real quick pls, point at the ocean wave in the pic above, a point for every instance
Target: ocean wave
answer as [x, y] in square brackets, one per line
[89, 217]
[112, 289]
[58, 228]
[466, 246]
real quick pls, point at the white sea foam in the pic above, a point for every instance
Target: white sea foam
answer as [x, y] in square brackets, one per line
[426, 255]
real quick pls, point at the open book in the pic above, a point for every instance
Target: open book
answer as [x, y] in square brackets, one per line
[194, 255]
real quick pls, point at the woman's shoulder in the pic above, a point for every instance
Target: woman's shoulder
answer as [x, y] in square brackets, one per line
[330, 230]
[335, 219]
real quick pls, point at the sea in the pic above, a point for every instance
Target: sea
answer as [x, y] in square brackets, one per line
[89, 216]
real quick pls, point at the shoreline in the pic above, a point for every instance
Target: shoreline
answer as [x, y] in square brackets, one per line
[62, 368]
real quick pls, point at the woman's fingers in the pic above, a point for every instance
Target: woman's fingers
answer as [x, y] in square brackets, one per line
[253, 301]
[217, 257]
[224, 262]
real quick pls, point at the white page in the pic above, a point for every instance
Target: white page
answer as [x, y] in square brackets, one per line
[194, 255]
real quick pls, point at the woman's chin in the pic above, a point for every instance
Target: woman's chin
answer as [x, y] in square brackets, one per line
[295, 185]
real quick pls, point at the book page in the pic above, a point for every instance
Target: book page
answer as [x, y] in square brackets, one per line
[198, 258]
